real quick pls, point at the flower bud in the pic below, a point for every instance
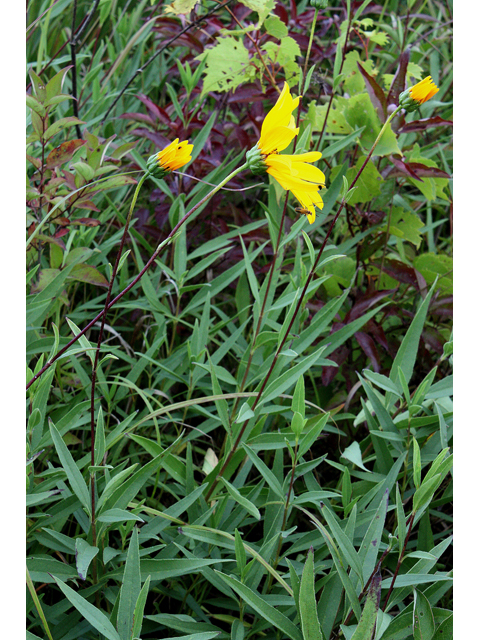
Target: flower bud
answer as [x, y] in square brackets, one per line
[413, 97]
[174, 156]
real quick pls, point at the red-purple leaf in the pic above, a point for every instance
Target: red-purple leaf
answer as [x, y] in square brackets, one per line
[415, 170]
[86, 204]
[62, 221]
[365, 302]
[63, 153]
[53, 240]
[376, 94]
[403, 168]
[61, 232]
[399, 80]
[367, 345]
[37, 163]
[400, 272]
[425, 123]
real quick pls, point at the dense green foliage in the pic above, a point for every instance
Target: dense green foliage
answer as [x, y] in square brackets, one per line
[270, 450]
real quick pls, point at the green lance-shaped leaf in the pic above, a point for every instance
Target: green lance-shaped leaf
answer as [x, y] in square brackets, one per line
[130, 589]
[263, 608]
[99, 438]
[95, 617]
[407, 353]
[139, 609]
[366, 625]
[308, 605]
[423, 622]
[84, 554]
[74, 475]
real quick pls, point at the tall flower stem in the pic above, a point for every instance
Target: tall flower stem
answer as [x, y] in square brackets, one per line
[297, 309]
[148, 264]
[95, 362]
[332, 95]
[280, 230]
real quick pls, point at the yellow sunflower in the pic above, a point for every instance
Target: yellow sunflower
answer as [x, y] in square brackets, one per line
[293, 172]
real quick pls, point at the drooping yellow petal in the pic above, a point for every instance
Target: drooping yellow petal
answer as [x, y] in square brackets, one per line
[300, 178]
[278, 139]
[278, 128]
[281, 112]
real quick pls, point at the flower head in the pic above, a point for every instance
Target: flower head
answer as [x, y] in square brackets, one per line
[292, 171]
[174, 156]
[414, 96]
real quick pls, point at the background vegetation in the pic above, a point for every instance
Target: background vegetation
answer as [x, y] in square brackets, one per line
[332, 518]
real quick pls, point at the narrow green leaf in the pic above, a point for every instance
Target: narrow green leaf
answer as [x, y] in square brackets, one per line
[74, 475]
[97, 619]
[423, 622]
[295, 582]
[99, 438]
[346, 581]
[289, 378]
[444, 631]
[40, 399]
[272, 481]
[118, 515]
[308, 605]
[165, 569]
[240, 554]
[368, 552]
[298, 400]
[130, 589]
[220, 403]
[407, 353]
[354, 454]
[366, 625]
[237, 496]
[342, 540]
[252, 280]
[265, 610]
[139, 609]
[424, 494]
[84, 554]
[417, 464]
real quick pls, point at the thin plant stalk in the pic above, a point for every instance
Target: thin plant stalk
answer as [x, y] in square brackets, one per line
[297, 309]
[95, 363]
[332, 95]
[38, 605]
[282, 221]
[148, 264]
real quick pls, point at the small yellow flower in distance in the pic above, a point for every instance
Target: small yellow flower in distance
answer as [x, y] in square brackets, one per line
[292, 171]
[413, 97]
[174, 156]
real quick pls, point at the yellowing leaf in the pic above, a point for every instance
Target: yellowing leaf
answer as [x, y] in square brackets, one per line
[180, 6]
[210, 461]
